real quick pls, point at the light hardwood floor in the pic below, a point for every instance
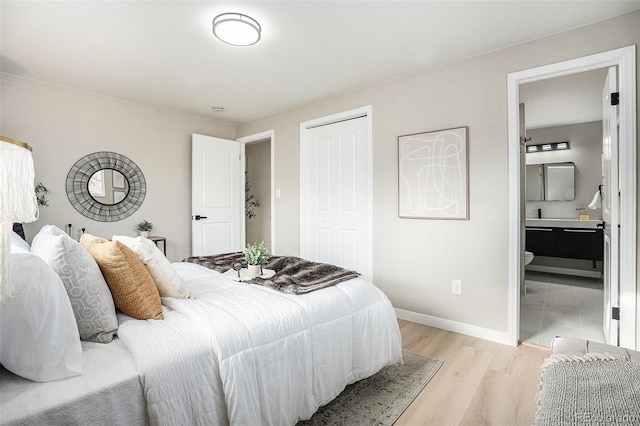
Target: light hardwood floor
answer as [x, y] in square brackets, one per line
[480, 382]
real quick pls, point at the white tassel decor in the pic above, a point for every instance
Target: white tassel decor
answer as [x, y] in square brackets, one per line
[18, 202]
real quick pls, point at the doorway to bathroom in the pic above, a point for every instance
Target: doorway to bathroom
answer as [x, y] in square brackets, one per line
[563, 291]
[259, 189]
[622, 274]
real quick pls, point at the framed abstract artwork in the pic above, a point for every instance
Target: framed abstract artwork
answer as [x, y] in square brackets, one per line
[433, 175]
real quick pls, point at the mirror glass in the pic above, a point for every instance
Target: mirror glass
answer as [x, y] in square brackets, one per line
[534, 182]
[550, 182]
[108, 186]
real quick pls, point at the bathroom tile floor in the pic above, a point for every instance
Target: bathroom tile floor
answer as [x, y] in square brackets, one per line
[564, 305]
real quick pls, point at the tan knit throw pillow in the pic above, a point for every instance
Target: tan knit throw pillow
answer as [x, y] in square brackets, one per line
[132, 287]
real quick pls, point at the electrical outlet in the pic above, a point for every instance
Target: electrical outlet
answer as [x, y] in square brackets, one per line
[456, 287]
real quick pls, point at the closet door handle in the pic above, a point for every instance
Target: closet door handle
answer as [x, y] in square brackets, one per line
[581, 231]
[198, 217]
[540, 229]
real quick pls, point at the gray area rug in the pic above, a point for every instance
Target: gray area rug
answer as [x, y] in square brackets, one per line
[381, 398]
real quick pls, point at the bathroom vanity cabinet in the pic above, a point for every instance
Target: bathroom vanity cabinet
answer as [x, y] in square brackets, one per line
[581, 243]
[542, 241]
[573, 243]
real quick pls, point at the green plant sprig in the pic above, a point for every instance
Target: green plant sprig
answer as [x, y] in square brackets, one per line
[145, 225]
[256, 254]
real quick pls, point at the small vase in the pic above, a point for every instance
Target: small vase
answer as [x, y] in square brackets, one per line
[254, 271]
[144, 234]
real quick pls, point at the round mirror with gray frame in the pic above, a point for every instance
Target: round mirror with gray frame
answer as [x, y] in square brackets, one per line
[106, 186]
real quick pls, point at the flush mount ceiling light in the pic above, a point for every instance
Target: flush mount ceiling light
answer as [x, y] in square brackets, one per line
[236, 29]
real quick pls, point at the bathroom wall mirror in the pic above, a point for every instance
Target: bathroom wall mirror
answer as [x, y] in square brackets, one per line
[105, 186]
[550, 182]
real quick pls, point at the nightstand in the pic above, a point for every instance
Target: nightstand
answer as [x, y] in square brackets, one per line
[157, 239]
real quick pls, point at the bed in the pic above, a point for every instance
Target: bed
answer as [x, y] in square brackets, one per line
[231, 353]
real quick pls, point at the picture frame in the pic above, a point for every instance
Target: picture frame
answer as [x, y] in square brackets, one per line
[433, 175]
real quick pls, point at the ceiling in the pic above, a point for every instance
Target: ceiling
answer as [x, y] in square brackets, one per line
[163, 53]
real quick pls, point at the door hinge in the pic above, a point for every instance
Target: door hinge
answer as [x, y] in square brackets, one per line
[615, 98]
[615, 313]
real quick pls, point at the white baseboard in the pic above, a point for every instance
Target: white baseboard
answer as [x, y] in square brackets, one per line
[564, 271]
[454, 326]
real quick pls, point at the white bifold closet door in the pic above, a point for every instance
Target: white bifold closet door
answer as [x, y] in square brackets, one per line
[336, 196]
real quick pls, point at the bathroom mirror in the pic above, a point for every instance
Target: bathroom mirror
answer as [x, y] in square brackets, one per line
[550, 182]
[106, 186]
[534, 182]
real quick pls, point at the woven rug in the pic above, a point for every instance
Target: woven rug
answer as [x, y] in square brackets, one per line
[592, 389]
[381, 398]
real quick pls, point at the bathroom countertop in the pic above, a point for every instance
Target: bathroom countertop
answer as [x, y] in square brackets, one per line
[563, 223]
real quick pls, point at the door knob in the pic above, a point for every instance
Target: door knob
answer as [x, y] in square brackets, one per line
[198, 217]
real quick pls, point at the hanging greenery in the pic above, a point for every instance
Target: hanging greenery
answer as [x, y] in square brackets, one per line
[250, 201]
[41, 194]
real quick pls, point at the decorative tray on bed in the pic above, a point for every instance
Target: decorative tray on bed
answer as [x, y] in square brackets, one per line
[243, 274]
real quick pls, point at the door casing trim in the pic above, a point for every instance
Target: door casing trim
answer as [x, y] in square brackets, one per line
[625, 59]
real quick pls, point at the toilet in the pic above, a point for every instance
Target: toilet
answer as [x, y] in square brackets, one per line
[528, 257]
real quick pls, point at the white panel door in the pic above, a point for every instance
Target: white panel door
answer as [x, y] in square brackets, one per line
[215, 195]
[610, 207]
[335, 182]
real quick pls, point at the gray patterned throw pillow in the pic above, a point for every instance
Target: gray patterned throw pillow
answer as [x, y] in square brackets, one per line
[88, 292]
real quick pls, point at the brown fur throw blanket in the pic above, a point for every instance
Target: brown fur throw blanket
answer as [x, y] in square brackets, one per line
[293, 274]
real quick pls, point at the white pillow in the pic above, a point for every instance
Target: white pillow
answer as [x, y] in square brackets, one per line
[167, 280]
[39, 338]
[18, 244]
[88, 292]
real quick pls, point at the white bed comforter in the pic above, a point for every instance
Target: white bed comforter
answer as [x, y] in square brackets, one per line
[247, 355]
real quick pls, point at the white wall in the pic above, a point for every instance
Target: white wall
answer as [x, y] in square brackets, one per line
[63, 125]
[415, 260]
[585, 142]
